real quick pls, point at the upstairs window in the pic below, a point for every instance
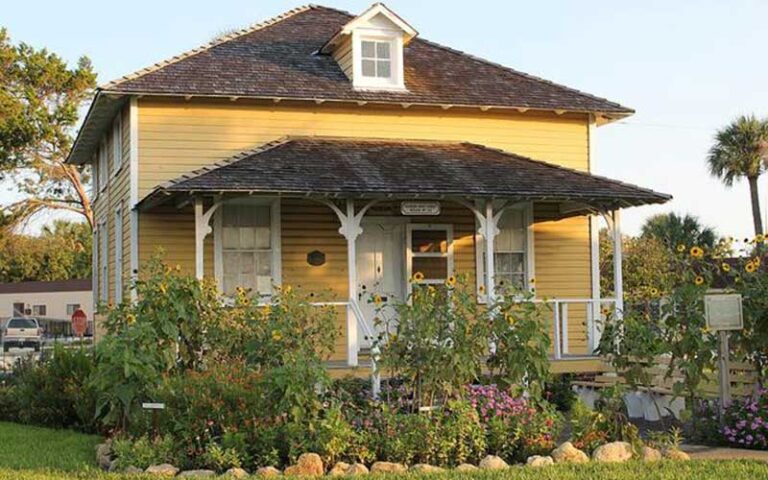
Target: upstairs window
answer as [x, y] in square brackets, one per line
[117, 144]
[103, 170]
[376, 59]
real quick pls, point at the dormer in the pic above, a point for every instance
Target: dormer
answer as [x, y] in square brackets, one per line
[369, 49]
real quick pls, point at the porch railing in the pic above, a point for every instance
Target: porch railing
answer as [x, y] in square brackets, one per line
[589, 312]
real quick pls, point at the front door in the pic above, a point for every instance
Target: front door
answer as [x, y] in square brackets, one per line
[380, 272]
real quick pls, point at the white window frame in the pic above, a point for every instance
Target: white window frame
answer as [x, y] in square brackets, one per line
[76, 306]
[95, 251]
[103, 170]
[275, 234]
[117, 144]
[36, 310]
[528, 254]
[104, 262]
[396, 80]
[410, 254]
[118, 254]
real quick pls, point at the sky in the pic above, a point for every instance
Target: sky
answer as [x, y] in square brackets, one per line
[687, 67]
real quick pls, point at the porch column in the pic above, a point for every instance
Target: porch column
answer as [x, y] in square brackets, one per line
[202, 229]
[350, 228]
[489, 232]
[618, 279]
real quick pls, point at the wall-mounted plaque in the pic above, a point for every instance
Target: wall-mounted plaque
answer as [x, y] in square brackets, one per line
[417, 209]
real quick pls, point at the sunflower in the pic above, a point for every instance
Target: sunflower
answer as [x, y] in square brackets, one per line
[509, 318]
[697, 252]
[725, 267]
[757, 261]
[276, 335]
[418, 276]
[654, 291]
[760, 238]
[481, 289]
[750, 267]
[681, 248]
[377, 299]
[450, 281]
[699, 280]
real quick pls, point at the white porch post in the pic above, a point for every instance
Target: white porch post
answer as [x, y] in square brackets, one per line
[202, 229]
[489, 233]
[618, 279]
[351, 230]
[596, 307]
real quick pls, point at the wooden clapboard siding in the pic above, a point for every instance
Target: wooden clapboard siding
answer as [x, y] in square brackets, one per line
[343, 55]
[116, 194]
[177, 137]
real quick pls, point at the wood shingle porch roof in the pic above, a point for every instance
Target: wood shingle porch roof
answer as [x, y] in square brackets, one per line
[372, 168]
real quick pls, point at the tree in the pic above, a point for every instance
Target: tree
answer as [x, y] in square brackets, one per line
[672, 230]
[741, 151]
[62, 251]
[646, 265]
[40, 97]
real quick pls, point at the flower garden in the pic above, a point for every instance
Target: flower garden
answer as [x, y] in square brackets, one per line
[466, 387]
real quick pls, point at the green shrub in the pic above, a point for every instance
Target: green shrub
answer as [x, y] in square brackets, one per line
[608, 422]
[54, 391]
[143, 452]
[559, 393]
[530, 430]
[220, 459]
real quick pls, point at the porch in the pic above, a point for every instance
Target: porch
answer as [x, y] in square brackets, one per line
[359, 223]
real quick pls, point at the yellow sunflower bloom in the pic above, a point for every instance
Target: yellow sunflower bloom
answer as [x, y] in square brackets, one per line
[418, 276]
[699, 280]
[759, 238]
[377, 299]
[757, 261]
[697, 252]
[726, 267]
[450, 281]
[750, 267]
[276, 335]
[681, 248]
[654, 291]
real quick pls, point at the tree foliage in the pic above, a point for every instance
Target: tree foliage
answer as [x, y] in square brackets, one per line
[40, 97]
[740, 150]
[673, 230]
[62, 251]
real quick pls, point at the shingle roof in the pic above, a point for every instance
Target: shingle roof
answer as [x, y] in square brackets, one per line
[75, 285]
[279, 59]
[372, 167]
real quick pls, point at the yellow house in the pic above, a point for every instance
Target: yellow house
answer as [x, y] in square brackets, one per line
[345, 153]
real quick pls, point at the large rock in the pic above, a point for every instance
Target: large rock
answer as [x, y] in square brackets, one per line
[567, 453]
[388, 467]
[267, 472]
[466, 467]
[197, 474]
[676, 454]
[308, 465]
[235, 472]
[339, 469]
[162, 470]
[133, 471]
[104, 455]
[648, 454]
[426, 468]
[538, 461]
[492, 462]
[357, 469]
[613, 452]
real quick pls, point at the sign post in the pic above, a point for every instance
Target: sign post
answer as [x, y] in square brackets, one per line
[723, 313]
[79, 323]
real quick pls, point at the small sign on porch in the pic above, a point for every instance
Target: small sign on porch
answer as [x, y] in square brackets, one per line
[420, 208]
[723, 312]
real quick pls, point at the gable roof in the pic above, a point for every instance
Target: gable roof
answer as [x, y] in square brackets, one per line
[329, 166]
[280, 59]
[376, 9]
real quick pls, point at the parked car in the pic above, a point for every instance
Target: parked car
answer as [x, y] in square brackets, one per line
[22, 332]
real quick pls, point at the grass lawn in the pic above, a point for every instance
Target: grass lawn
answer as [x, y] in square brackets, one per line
[31, 453]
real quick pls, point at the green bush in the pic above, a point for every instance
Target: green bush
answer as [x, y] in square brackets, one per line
[54, 391]
[143, 451]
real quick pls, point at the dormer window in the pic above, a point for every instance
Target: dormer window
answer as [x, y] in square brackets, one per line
[376, 58]
[369, 49]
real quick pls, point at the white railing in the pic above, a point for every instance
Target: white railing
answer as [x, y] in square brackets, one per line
[592, 314]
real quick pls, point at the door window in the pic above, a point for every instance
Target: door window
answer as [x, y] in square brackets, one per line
[430, 253]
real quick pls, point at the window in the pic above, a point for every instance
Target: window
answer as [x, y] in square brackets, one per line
[117, 143]
[430, 252]
[248, 241]
[72, 308]
[103, 170]
[511, 250]
[23, 322]
[38, 310]
[376, 58]
[95, 250]
[18, 309]
[103, 262]
[118, 254]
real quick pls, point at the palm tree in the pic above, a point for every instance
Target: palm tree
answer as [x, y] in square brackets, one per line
[741, 151]
[673, 230]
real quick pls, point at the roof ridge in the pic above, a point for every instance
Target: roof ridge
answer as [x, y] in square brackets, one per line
[564, 168]
[264, 147]
[520, 73]
[211, 44]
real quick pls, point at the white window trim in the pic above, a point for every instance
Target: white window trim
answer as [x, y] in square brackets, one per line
[103, 170]
[395, 38]
[95, 249]
[529, 255]
[118, 254]
[448, 228]
[104, 262]
[117, 144]
[275, 233]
